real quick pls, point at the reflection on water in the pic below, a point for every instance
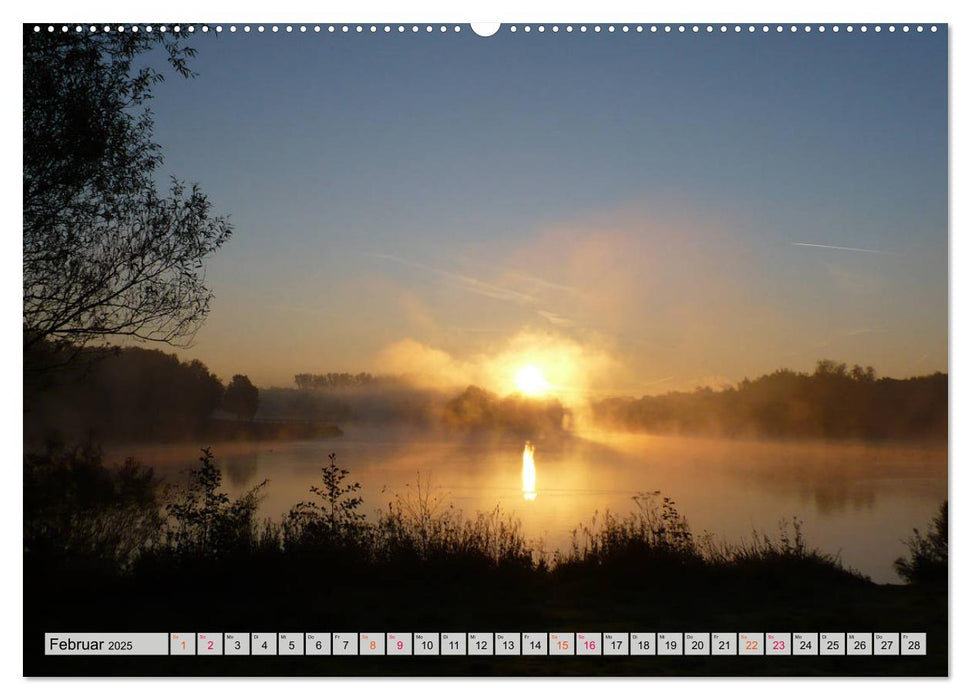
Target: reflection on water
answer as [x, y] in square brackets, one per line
[857, 499]
[529, 473]
[240, 469]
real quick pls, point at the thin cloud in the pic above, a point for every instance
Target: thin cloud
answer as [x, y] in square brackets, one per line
[546, 284]
[865, 331]
[662, 380]
[470, 284]
[486, 289]
[556, 319]
[530, 278]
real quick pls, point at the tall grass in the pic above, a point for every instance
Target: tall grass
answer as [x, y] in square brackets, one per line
[655, 532]
[416, 527]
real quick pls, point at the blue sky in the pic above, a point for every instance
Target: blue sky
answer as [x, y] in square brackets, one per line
[631, 199]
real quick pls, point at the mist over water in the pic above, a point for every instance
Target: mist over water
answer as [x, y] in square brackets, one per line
[857, 499]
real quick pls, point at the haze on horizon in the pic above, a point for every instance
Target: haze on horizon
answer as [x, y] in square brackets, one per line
[633, 214]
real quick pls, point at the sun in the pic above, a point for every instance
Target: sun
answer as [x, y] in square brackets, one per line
[530, 381]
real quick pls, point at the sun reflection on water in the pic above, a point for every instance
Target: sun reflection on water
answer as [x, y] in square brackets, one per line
[529, 473]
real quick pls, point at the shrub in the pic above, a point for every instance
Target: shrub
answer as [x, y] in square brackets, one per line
[80, 514]
[204, 521]
[927, 563]
[331, 524]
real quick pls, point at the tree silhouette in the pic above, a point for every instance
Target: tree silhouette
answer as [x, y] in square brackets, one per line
[241, 397]
[105, 253]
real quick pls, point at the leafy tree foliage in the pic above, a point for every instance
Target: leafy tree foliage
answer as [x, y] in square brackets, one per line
[105, 253]
[242, 399]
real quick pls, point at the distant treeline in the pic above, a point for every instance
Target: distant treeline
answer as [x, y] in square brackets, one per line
[136, 394]
[341, 380]
[473, 409]
[120, 394]
[372, 403]
[835, 401]
[343, 397]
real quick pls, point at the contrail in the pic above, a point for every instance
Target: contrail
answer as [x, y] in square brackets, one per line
[840, 247]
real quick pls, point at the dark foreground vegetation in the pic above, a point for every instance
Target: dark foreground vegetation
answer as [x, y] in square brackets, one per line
[116, 550]
[833, 402]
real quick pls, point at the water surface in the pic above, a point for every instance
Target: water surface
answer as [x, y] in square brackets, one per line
[860, 500]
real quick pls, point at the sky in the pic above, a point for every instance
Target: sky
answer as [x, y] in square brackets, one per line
[634, 213]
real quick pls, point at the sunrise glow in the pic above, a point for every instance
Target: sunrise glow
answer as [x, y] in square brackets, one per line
[530, 381]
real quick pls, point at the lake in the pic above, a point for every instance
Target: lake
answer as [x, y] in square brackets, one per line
[858, 500]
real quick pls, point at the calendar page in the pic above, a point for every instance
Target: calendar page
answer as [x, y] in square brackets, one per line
[514, 349]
